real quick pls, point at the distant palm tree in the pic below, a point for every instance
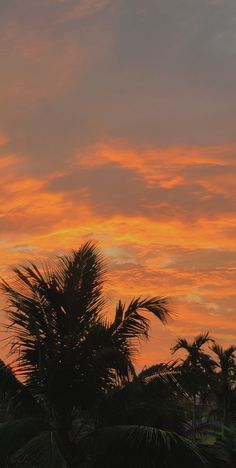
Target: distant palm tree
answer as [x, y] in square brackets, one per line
[226, 363]
[70, 360]
[197, 368]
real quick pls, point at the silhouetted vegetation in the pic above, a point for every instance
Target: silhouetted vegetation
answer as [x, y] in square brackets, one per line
[72, 397]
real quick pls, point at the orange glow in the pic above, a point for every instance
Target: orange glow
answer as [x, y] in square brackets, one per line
[191, 258]
[4, 139]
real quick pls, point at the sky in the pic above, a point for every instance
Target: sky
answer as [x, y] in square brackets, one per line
[117, 124]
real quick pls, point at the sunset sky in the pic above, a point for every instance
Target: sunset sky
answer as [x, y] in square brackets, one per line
[118, 124]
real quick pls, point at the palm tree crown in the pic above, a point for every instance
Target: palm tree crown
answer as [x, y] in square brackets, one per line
[226, 363]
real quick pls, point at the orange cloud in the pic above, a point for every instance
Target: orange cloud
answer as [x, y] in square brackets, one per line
[77, 76]
[4, 139]
[193, 260]
[7, 161]
[153, 161]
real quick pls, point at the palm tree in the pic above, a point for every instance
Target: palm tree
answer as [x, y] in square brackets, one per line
[151, 398]
[69, 359]
[196, 369]
[226, 363]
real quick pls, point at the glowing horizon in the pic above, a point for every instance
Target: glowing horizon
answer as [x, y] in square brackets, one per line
[118, 125]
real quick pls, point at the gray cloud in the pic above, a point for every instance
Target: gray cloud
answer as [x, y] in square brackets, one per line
[113, 190]
[153, 72]
[201, 260]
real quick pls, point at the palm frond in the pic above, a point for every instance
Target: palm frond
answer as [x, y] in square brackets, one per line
[143, 446]
[41, 451]
[158, 370]
[181, 343]
[16, 396]
[227, 354]
[131, 325]
[202, 339]
[157, 403]
[82, 275]
[16, 433]
[170, 375]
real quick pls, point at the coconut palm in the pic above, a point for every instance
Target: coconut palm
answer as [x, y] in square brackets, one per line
[196, 369]
[151, 398]
[226, 363]
[68, 360]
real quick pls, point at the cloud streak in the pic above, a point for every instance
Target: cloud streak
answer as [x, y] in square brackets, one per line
[84, 8]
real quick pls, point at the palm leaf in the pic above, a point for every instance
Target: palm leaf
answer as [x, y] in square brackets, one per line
[130, 325]
[42, 451]
[142, 446]
[181, 343]
[202, 339]
[15, 394]
[16, 433]
[158, 370]
[153, 403]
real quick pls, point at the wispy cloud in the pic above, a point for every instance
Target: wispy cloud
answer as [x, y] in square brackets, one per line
[84, 8]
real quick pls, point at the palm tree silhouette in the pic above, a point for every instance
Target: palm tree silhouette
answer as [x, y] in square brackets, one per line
[69, 360]
[226, 363]
[196, 369]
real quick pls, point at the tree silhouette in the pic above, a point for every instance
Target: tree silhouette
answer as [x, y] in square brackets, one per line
[226, 363]
[70, 360]
[196, 369]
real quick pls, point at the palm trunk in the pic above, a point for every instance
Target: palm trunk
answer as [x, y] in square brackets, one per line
[225, 410]
[63, 426]
[194, 419]
[225, 406]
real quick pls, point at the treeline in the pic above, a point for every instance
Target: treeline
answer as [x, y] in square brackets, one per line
[71, 397]
[207, 375]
